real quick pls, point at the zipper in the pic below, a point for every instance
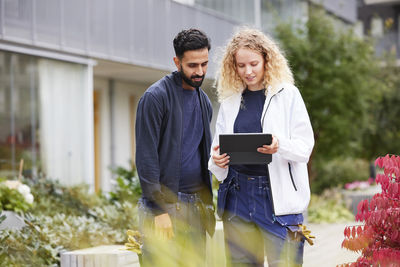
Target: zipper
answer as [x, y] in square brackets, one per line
[269, 192]
[269, 102]
[291, 177]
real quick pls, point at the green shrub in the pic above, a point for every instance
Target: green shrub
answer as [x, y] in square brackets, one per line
[11, 199]
[65, 218]
[119, 215]
[338, 172]
[128, 185]
[28, 247]
[329, 207]
[77, 232]
[52, 198]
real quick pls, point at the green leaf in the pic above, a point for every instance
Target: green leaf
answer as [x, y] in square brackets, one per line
[2, 218]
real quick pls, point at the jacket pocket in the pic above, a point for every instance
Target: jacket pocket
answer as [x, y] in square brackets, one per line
[291, 176]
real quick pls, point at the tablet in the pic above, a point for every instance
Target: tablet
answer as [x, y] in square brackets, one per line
[242, 147]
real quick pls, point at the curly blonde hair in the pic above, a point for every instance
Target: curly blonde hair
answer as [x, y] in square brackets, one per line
[276, 68]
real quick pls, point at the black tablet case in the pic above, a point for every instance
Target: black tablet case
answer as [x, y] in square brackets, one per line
[242, 147]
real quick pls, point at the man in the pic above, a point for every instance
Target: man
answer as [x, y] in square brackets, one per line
[173, 140]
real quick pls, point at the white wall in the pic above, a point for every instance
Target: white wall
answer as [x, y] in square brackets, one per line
[122, 120]
[101, 85]
[66, 121]
[118, 149]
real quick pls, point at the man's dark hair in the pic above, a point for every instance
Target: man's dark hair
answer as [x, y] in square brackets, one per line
[191, 39]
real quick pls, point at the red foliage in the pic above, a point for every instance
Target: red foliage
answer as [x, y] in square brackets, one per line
[378, 239]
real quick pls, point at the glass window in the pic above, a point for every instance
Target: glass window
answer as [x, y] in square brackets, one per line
[238, 10]
[18, 114]
[288, 11]
[44, 118]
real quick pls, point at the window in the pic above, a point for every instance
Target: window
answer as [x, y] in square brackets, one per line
[19, 124]
[45, 118]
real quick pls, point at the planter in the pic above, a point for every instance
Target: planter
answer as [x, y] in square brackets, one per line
[12, 221]
[101, 256]
[354, 197]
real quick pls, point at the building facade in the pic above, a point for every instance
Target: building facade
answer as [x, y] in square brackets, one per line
[72, 72]
[380, 19]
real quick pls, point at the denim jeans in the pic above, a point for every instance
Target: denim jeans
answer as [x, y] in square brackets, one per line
[189, 242]
[247, 243]
[250, 226]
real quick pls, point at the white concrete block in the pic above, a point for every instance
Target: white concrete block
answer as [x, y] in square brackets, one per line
[101, 256]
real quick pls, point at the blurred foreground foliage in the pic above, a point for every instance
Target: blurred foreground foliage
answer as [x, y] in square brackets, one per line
[66, 218]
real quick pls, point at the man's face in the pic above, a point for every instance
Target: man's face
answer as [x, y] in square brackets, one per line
[193, 67]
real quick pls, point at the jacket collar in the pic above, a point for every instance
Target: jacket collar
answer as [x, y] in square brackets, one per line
[177, 77]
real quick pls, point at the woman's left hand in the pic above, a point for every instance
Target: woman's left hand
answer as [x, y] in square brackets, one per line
[270, 149]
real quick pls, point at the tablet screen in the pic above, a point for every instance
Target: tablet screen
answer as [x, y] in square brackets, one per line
[242, 147]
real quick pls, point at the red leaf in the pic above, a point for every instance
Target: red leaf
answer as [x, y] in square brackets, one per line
[344, 243]
[360, 206]
[390, 189]
[379, 202]
[395, 190]
[359, 216]
[378, 217]
[353, 232]
[386, 161]
[395, 235]
[359, 230]
[372, 204]
[379, 162]
[397, 172]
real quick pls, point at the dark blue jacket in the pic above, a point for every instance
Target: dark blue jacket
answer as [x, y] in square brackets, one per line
[159, 121]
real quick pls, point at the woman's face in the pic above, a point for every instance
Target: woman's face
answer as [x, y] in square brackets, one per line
[250, 67]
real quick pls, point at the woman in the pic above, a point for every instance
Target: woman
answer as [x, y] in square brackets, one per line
[261, 205]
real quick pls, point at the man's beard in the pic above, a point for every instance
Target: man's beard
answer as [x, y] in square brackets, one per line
[189, 81]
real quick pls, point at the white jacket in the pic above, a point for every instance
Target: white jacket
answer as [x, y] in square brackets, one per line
[285, 116]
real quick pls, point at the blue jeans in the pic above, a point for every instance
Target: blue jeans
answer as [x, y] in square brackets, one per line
[250, 226]
[189, 240]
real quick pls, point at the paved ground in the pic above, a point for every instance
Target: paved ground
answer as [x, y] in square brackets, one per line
[327, 249]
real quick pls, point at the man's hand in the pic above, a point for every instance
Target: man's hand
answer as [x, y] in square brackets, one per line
[163, 226]
[271, 149]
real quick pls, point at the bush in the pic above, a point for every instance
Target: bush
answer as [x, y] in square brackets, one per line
[328, 208]
[128, 185]
[15, 196]
[77, 232]
[65, 218]
[11, 199]
[378, 239]
[52, 198]
[338, 172]
[27, 247]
